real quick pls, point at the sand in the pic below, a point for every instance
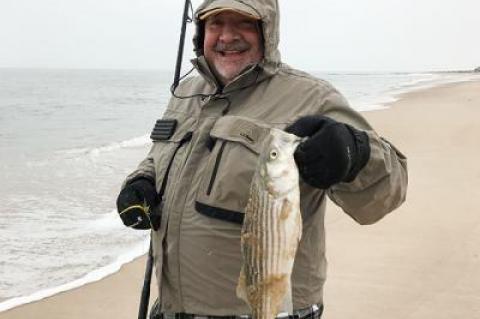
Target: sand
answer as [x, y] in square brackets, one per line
[420, 262]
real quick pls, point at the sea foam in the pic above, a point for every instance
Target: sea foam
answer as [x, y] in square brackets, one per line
[95, 151]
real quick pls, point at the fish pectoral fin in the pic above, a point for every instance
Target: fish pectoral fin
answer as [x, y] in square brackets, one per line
[242, 286]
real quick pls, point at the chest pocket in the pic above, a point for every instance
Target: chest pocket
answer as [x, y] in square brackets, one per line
[169, 136]
[225, 182]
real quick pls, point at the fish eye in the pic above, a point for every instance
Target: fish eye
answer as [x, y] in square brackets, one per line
[273, 154]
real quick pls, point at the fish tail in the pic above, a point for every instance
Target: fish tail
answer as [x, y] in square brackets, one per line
[288, 300]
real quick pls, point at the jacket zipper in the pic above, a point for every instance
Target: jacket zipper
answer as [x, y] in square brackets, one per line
[215, 168]
[187, 137]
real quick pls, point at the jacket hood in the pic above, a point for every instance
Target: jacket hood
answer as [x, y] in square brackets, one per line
[267, 10]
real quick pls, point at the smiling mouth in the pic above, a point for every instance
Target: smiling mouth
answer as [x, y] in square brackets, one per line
[231, 53]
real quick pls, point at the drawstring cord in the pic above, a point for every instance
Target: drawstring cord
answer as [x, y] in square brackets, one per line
[205, 96]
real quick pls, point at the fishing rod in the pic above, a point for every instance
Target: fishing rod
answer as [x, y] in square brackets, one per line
[145, 297]
[178, 67]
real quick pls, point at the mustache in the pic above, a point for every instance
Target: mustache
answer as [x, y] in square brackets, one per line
[234, 46]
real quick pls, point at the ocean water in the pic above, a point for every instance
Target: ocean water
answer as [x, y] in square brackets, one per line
[67, 140]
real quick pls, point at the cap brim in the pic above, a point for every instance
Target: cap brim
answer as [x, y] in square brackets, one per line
[211, 13]
[228, 5]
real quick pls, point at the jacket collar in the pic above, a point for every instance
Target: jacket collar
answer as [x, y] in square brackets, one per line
[249, 77]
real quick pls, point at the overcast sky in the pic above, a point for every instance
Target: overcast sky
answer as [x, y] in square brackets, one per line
[316, 35]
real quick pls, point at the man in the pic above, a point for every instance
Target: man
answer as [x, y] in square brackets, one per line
[204, 154]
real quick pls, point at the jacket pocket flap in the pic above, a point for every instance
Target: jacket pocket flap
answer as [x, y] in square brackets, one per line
[242, 130]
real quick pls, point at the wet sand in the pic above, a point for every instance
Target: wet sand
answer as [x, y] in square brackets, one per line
[422, 261]
[115, 297]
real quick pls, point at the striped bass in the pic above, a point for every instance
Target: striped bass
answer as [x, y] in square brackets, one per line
[272, 229]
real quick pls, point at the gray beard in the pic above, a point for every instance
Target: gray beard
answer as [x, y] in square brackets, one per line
[222, 76]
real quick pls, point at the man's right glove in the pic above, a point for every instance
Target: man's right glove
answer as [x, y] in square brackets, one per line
[334, 152]
[136, 202]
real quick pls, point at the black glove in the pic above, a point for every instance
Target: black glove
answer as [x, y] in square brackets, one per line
[334, 153]
[136, 203]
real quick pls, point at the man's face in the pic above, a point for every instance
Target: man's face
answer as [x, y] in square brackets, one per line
[232, 43]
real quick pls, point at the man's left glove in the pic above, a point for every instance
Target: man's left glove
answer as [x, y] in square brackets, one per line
[334, 152]
[136, 202]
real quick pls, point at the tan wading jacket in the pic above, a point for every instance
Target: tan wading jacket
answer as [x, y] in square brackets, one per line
[197, 249]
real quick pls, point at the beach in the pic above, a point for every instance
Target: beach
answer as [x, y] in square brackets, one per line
[422, 261]
[116, 296]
